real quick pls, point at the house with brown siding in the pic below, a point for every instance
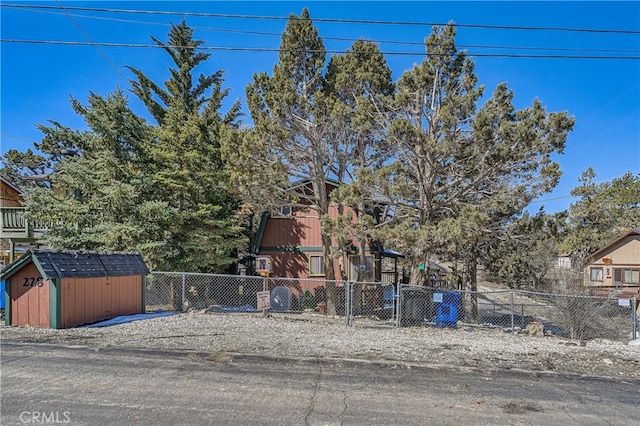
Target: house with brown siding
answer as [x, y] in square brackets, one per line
[10, 195]
[291, 236]
[11, 218]
[614, 270]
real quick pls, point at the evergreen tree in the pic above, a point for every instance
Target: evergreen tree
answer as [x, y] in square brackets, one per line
[528, 251]
[99, 197]
[126, 185]
[358, 84]
[455, 161]
[292, 138]
[17, 165]
[603, 212]
[185, 159]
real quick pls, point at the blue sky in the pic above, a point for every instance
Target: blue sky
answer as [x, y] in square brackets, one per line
[37, 79]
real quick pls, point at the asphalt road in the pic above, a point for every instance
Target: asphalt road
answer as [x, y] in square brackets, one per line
[49, 384]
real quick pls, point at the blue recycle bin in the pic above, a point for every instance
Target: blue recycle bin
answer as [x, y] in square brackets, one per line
[447, 309]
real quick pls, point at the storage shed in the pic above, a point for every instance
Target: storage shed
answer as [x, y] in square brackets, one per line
[62, 289]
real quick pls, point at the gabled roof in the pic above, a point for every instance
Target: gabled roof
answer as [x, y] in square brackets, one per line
[265, 215]
[392, 254]
[635, 231]
[10, 185]
[307, 181]
[75, 264]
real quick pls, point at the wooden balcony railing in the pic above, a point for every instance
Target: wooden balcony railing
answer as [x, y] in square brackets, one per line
[15, 225]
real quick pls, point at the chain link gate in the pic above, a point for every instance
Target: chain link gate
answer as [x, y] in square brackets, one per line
[372, 304]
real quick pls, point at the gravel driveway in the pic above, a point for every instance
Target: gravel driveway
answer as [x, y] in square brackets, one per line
[312, 335]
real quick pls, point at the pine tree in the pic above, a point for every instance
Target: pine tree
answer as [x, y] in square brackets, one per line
[99, 197]
[458, 162]
[185, 159]
[292, 138]
[358, 84]
[602, 212]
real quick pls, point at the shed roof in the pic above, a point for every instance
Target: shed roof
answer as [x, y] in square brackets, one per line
[76, 264]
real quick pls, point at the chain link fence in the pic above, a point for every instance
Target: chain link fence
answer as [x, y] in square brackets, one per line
[378, 304]
[178, 291]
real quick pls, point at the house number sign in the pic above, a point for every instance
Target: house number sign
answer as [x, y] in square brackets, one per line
[32, 282]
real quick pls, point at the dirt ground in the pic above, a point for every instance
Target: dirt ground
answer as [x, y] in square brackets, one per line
[318, 336]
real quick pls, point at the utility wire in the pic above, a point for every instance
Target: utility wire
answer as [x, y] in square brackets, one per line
[597, 182]
[92, 43]
[332, 20]
[272, 49]
[347, 39]
[16, 137]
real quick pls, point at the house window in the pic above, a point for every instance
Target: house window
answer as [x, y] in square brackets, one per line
[626, 276]
[283, 211]
[368, 272]
[596, 274]
[316, 265]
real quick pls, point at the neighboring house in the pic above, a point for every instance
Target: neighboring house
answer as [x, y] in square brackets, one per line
[15, 230]
[614, 270]
[10, 195]
[291, 236]
[564, 261]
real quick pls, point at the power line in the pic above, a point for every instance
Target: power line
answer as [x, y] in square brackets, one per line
[348, 39]
[331, 20]
[17, 137]
[273, 49]
[94, 44]
[597, 182]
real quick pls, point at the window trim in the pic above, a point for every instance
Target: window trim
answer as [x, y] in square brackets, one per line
[321, 264]
[278, 212]
[370, 258]
[622, 273]
[596, 269]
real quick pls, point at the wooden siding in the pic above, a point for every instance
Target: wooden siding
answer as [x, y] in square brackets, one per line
[302, 229]
[295, 264]
[288, 264]
[9, 197]
[89, 300]
[29, 304]
[291, 240]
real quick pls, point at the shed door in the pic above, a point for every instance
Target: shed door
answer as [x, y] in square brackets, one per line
[29, 298]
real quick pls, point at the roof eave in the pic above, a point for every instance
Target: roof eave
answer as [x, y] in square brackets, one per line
[596, 254]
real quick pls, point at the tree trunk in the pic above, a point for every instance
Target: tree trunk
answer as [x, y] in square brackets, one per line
[473, 287]
[417, 276]
[176, 295]
[357, 293]
[329, 274]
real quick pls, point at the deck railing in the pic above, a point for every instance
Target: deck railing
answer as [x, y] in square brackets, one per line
[14, 223]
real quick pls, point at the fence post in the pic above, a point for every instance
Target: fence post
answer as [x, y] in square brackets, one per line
[352, 289]
[512, 309]
[347, 303]
[265, 287]
[399, 304]
[184, 290]
[634, 317]
[396, 304]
